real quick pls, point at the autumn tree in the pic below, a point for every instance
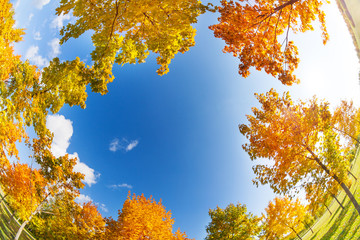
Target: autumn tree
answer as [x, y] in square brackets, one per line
[63, 218]
[322, 188]
[283, 217]
[24, 186]
[9, 35]
[25, 100]
[13, 116]
[142, 218]
[130, 30]
[30, 189]
[233, 222]
[297, 142]
[346, 120]
[257, 32]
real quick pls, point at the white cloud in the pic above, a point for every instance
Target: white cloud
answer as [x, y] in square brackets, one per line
[124, 144]
[83, 199]
[37, 36]
[131, 145]
[103, 207]
[114, 145]
[40, 3]
[30, 17]
[58, 21]
[33, 55]
[123, 185]
[90, 175]
[55, 48]
[63, 130]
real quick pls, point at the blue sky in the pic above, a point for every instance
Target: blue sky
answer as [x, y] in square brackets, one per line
[175, 137]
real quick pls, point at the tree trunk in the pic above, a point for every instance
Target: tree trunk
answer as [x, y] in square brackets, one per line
[352, 175]
[263, 17]
[22, 228]
[3, 198]
[328, 209]
[284, 5]
[28, 220]
[351, 196]
[307, 225]
[296, 233]
[337, 200]
[336, 178]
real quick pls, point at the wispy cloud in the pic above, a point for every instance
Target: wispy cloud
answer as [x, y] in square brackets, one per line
[16, 5]
[33, 55]
[85, 199]
[30, 17]
[37, 36]
[58, 21]
[114, 145]
[63, 130]
[55, 48]
[103, 207]
[118, 186]
[124, 144]
[40, 3]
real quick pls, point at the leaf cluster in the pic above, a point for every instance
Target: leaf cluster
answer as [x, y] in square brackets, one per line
[127, 31]
[284, 217]
[233, 222]
[257, 32]
[142, 218]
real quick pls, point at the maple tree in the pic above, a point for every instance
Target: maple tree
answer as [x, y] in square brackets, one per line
[27, 96]
[130, 30]
[23, 185]
[30, 189]
[63, 218]
[142, 218]
[233, 222]
[14, 111]
[89, 221]
[298, 143]
[257, 32]
[283, 217]
[26, 100]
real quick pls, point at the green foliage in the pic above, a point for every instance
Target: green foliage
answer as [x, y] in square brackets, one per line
[232, 223]
[126, 31]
